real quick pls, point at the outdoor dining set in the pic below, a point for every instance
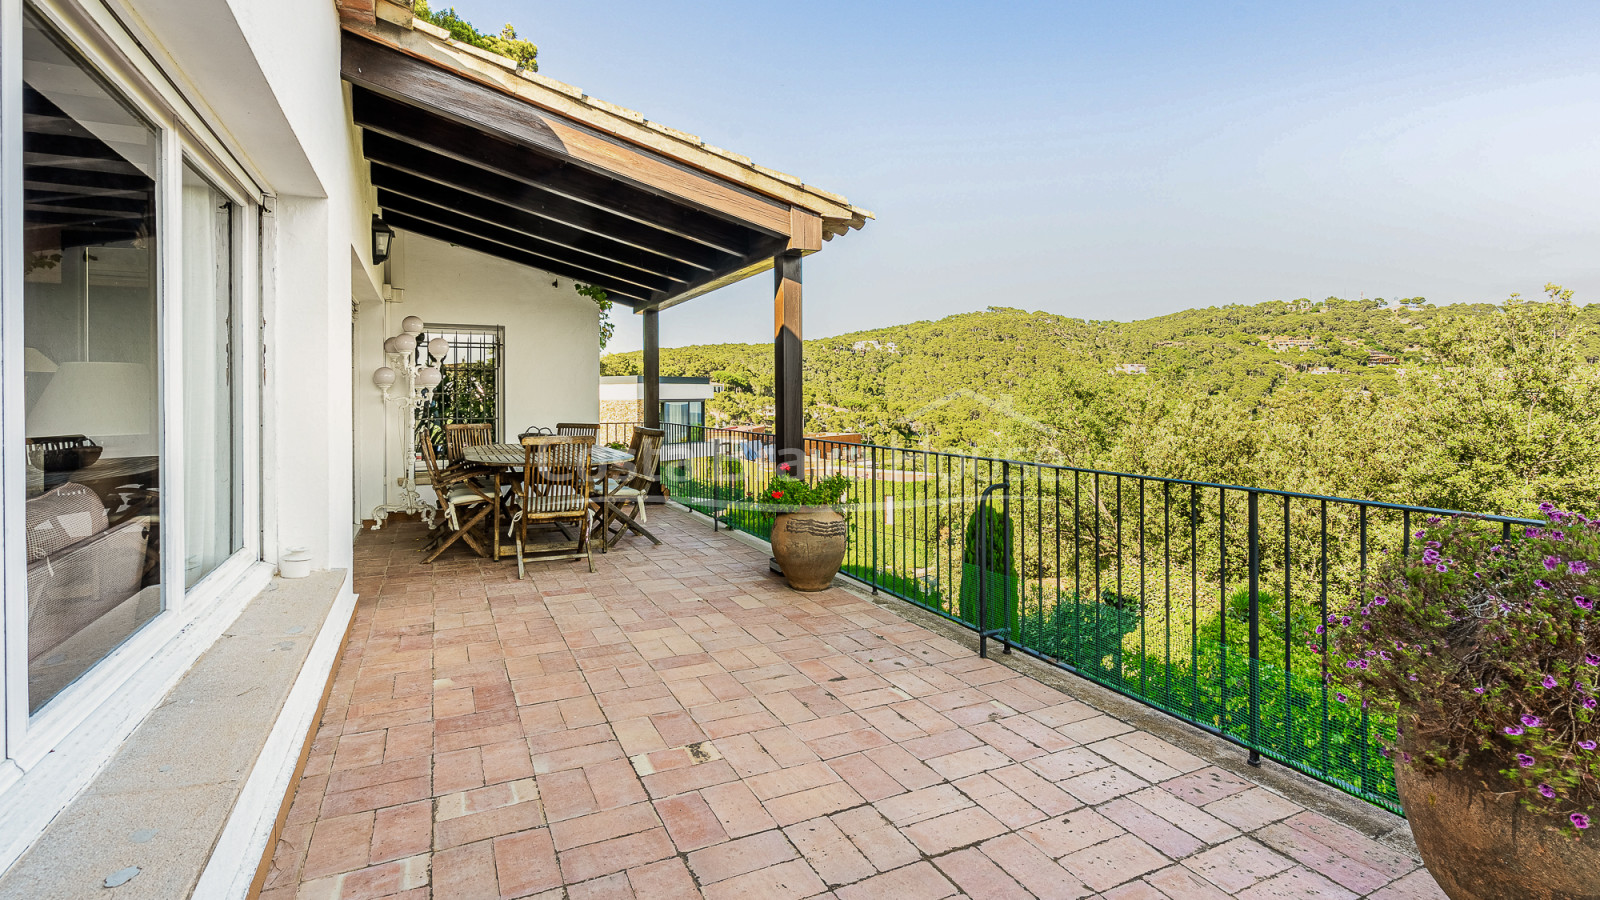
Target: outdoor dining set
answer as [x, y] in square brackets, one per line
[560, 485]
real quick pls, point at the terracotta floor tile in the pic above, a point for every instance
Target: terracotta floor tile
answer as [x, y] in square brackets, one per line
[829, 852]
[918, 881]
[747, 854]
[525, 863]
[668, 879]
[338, 844]
[615, 855]
[978, 876]
[690, 822]
[679, 723]
[1027, 864]
[1113, 862]
[400, 831]
[465, 873]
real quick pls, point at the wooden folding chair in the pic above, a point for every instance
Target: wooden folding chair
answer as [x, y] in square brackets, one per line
[554, 489]
[456, 491]
[461, 437]
[578, 429]
[627, 488]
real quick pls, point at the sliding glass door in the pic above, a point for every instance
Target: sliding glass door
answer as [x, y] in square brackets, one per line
[91, 326]
[212, 502]
[133, 397]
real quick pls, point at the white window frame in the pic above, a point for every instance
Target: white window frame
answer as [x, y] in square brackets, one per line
[102, 39]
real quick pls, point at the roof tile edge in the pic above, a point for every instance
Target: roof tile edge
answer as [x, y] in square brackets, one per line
[853, 217]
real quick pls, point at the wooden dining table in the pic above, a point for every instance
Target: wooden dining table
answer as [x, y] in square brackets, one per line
[504, 458]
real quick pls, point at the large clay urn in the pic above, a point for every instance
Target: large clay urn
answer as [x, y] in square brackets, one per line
[809, 545]
[1479, 843]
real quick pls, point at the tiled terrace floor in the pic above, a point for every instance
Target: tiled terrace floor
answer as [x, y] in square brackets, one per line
[681, 724]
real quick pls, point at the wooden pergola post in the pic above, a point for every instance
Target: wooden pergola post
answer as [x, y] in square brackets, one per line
[652, 368]
[788, 379]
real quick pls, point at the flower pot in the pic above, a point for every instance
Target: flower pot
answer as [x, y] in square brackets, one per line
[809, 544]
[1480, 843]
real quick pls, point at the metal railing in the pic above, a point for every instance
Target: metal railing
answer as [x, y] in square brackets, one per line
[1199, 599]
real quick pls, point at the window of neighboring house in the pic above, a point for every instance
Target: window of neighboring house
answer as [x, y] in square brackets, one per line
[683, 420]
[472, 390]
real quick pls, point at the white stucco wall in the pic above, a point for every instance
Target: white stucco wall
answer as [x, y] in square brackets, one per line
[669, 391]
[268, 76]
[552, 348]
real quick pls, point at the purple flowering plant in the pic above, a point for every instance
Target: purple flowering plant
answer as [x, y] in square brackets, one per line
[1487, 649]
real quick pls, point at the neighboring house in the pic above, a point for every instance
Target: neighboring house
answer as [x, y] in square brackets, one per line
[1381, 359]
[682, 403]
[216, 214]
[885, 346]
[1283, 342]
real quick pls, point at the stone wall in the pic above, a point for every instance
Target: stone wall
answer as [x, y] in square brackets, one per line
[621, 411]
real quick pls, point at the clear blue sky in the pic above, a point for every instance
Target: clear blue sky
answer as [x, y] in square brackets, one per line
[1120, 160]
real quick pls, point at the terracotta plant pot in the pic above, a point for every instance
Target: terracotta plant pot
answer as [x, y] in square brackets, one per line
[809, 545]
[1481, 844]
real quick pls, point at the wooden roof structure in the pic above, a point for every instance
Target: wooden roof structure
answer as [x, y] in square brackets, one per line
[467, 148]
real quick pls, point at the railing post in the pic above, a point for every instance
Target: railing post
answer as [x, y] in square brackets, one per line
[981, 534]
[1005, 558]
[1255, 628]
[873, 518]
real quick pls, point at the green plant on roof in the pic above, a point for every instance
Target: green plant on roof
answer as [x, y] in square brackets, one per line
[506, 43]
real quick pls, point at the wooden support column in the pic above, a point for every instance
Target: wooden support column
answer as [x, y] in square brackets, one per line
[788, 379]
[652, 369]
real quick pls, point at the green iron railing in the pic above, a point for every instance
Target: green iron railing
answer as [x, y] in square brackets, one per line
[1198, 599]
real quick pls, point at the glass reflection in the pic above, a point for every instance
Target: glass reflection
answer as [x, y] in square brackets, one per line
[90, 172]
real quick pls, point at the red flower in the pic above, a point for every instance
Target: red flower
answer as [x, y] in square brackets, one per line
[777, 495]
[786, 467]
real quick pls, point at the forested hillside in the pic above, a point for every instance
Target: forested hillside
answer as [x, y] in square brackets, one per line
[1485, 407]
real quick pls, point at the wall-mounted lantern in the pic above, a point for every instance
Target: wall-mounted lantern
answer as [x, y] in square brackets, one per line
[382, 238]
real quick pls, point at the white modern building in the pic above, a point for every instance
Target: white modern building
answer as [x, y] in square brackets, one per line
[681, 401]
[215, 215]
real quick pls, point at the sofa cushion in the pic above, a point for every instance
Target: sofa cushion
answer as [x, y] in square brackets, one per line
[62, 517]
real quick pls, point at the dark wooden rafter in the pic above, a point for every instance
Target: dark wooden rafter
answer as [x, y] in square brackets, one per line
[596, 268]
[537, 164]
[468, 101]
[530, 211]
[85, 202]
[627, 295]
[455, 158]
[83, 181]
[76, 185]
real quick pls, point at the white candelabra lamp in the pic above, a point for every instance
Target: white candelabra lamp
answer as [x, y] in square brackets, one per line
[406, 383]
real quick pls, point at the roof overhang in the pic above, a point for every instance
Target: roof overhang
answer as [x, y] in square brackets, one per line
[467, 149]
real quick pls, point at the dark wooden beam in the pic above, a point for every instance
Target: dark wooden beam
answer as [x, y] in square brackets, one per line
[537, 228]
[70, 178]
[85, 218]
[788, 375]
[533, 162]
[652, 369]
[598, 269]
[101, 203]
[528, 196]
[625, 294]
[69, 146]
[396, 74]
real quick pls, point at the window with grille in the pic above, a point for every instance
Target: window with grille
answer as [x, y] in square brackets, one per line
[472, 390]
